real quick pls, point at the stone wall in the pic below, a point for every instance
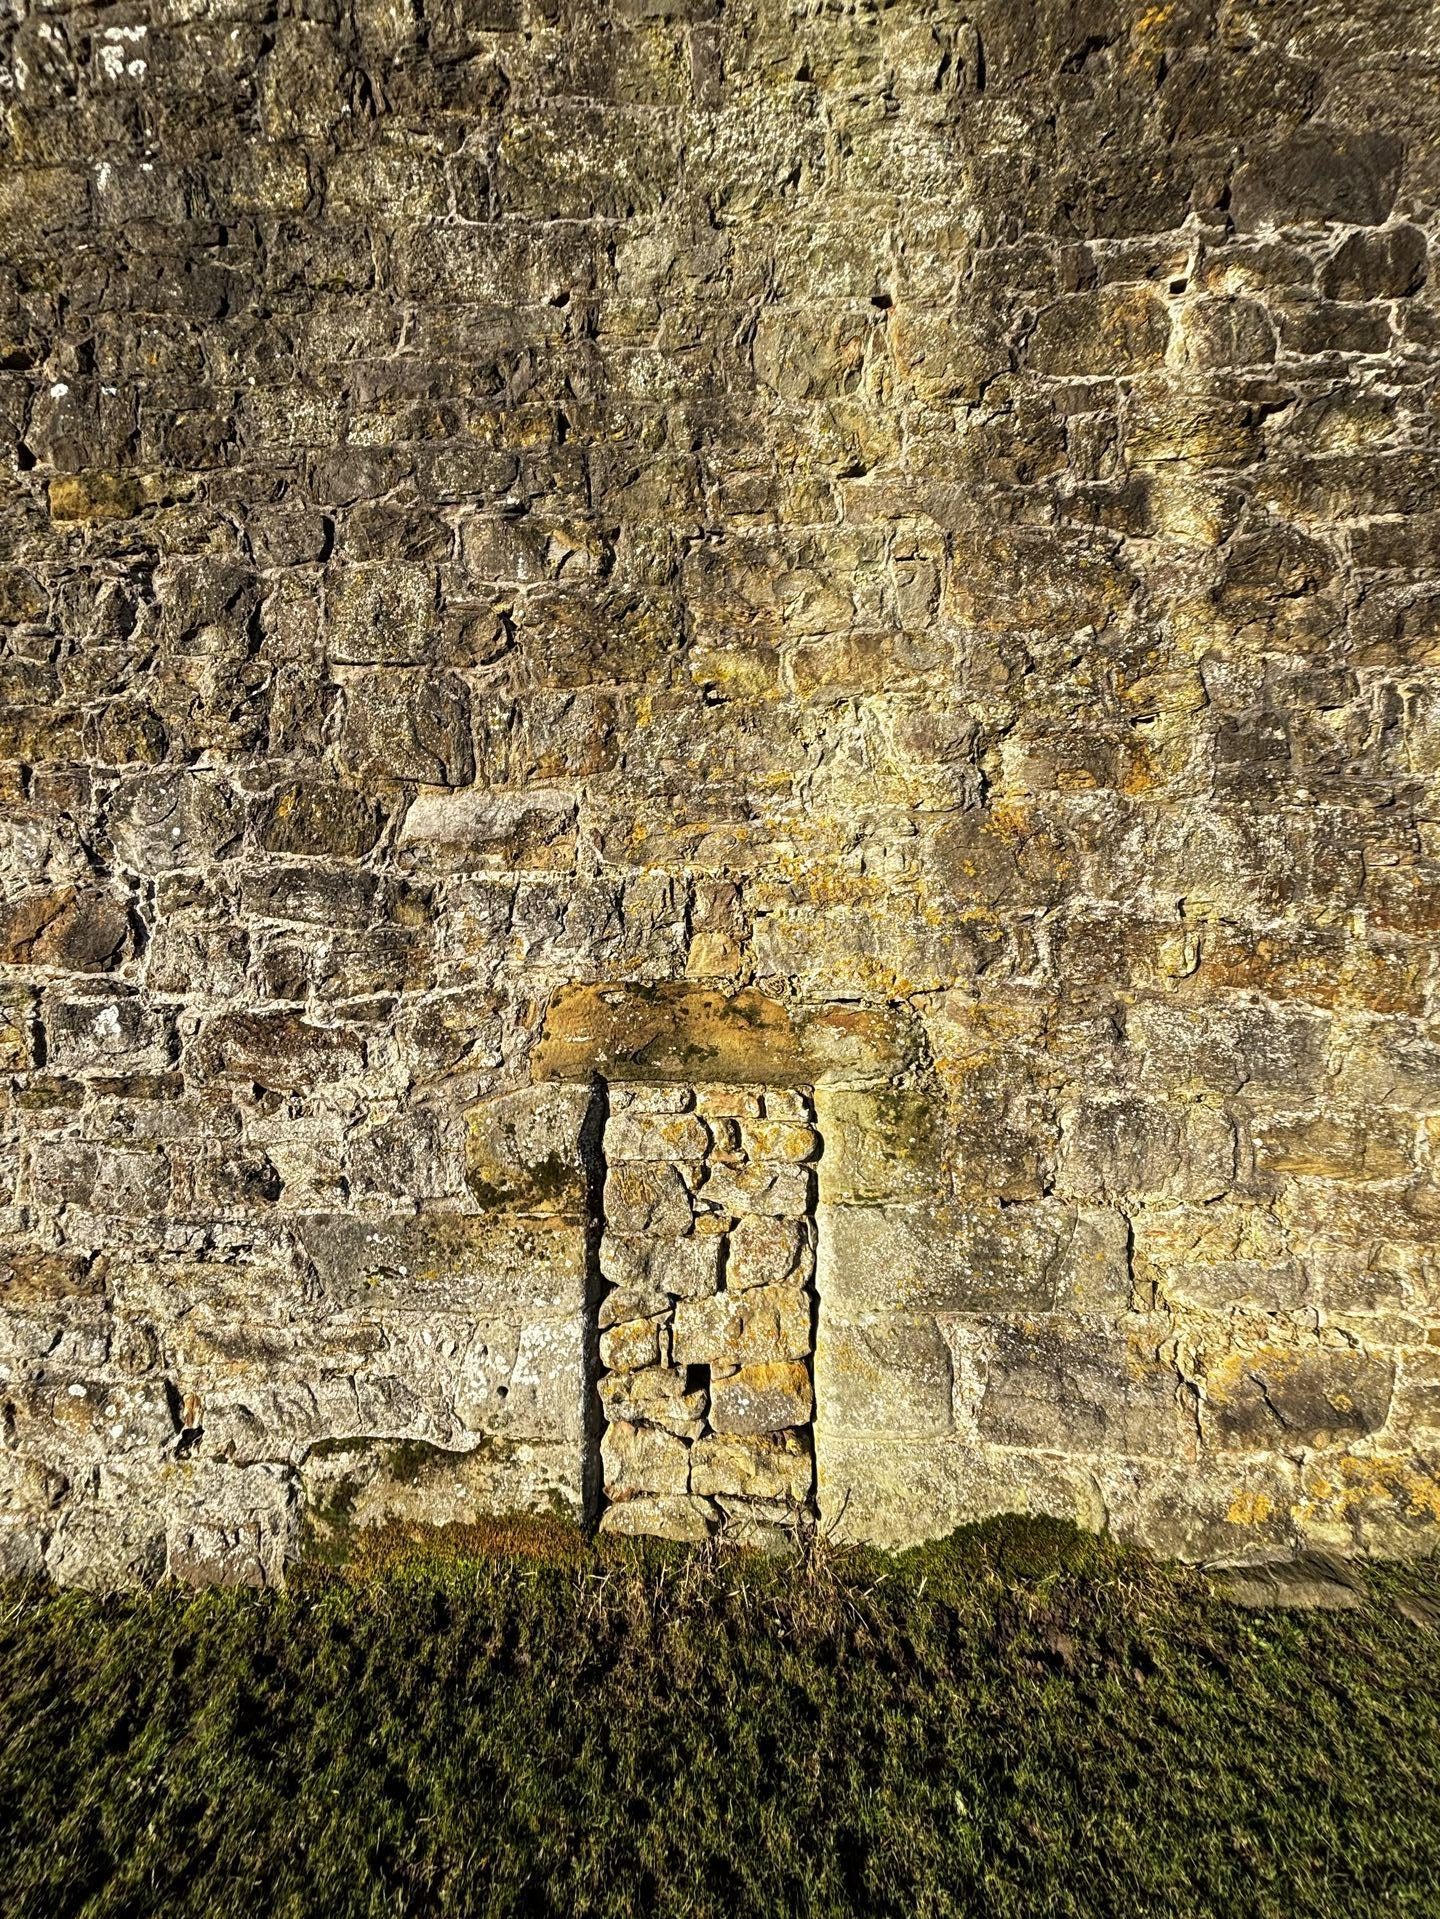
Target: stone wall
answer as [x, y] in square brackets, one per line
[888, 554]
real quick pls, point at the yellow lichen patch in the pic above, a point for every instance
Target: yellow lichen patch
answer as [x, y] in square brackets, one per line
[1352, 1485]
[95, 496]
[1249, 1508]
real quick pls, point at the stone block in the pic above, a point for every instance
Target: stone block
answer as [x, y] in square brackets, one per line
[163, 822]
[230, 1526]
[768, 1252]
[107, 1545]
[352, 1486]
[280, 1051]
[101, 1034]
[647, 1198]
[1061, 1388]
[742, 1329]
[762, 1399]
[778, 1142]
[642, 1459]
[407, 724]
[477, 832]
[67, 1422]
[524, 1153]
[1385, 264]
[972, 1258]
[658, 1396]
[897, 1492]
[655, 1136]
[471, 1262]
[681, 1268]
[1283, 1397]
[687, 1268]
[1112, 330]
[1127, 1149]
[882, 1144]
[78, 931]
[17, 1028]
[781, 1192]
[317, 817]
[887, 1373]
[625, 1303]
[673, 1032]
[381, 614]
[633, 1343]
[769, 1466]
[1319, 174]
[686, 1520]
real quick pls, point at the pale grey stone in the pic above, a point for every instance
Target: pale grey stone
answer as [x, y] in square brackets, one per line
[643, 1459]
[686, 1520]
[887, 1373]
[742, 1329]
[768, 1466]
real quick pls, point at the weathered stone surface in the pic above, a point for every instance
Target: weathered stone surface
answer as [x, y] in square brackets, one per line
[79, 932]
[655, 1396]
[279, 1051]
[887, 1373]
[654, 1136]
[1320, 174]
[676, 1032]
[1109, 331]
[348, 1487]
[761, 1466]
[972, 1258]
[682, 1268]
[762, 1399]
[472, 1261]
[647, 1198]
[408, 725]
[768, 1322]
[766, 1252]
[777, 1192]
[1078, 1392]
[1255, 1401]
[675, 1339]
[642, 1459]
[523, 1150]
[871, 582]
[475, 832]
[686, 1520]
[633, 1343]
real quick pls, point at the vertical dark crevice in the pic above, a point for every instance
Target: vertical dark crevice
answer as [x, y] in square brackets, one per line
[592, 1159]
[812, 1229]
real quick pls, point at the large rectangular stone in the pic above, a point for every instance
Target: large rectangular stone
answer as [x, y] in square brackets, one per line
[463, 1261]
[1058, 1386]
[523, 1150]
[971, 1259]
[886, 1373]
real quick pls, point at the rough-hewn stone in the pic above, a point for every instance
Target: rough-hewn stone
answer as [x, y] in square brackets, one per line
[754, 681]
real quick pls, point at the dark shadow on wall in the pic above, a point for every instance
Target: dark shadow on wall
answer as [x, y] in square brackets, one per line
[592, 1159]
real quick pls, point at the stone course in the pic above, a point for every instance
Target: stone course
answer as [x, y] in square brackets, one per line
[878, 554]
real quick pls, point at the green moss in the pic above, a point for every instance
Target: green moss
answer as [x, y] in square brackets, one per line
[1021, 1722]
[552, 1181]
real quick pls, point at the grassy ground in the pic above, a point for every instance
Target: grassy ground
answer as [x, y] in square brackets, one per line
[1021, 1722]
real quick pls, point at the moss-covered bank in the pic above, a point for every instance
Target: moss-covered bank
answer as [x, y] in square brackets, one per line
[1022, 1722]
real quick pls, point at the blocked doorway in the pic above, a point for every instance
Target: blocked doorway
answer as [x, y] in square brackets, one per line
[706, 1310]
